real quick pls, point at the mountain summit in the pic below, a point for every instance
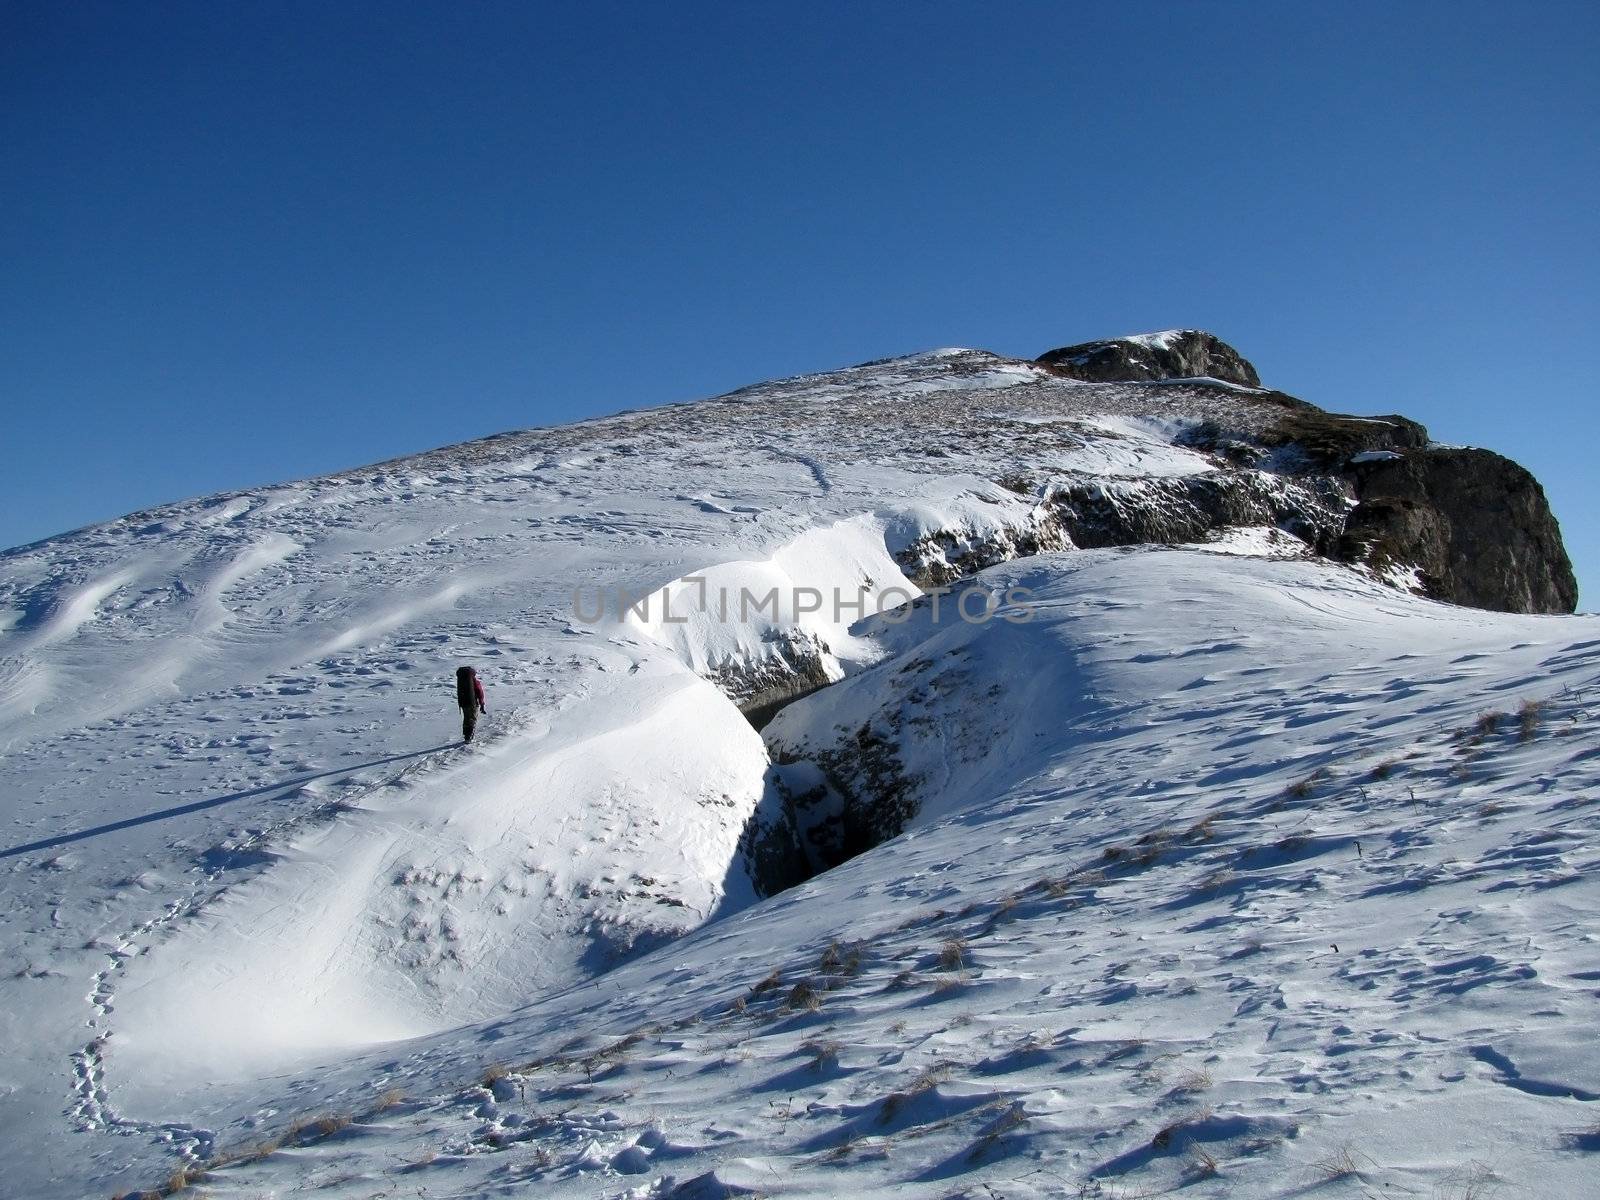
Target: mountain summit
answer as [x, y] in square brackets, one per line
[1173, 354]
[1470, 526]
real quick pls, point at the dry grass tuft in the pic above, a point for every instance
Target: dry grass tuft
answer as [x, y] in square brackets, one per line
[615, 1054]
[924, 1081]
[1172, 1132]
[329, 1124]
[1475, 1181]
[1012, 1118]
[823, 1054]
[1473, 737]
[843, 1150]
[1151, 846]
[1339, 1163]
[618, 1049]
[1529, 714]
[1192, 1081]
[952, 955]
[182, 1180]
[1383, 769]
[1301, 788]
[841, 960]
[262, 1149]
[389, 1099]
[905, 979]
[304, 1132]
[803, 997]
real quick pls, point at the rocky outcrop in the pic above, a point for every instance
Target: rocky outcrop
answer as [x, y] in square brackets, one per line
[1324, 440]
[1475, 526]
[821, 811]
[796, 664]
[942, 557]
[1190, 508]
[1088, 513]
[1175, 354]
[793, 833]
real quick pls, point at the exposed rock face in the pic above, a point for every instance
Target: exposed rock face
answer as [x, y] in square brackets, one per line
[796, 666]
[1329, 440]
[1191, 508]
[1091, 513]
[1175, 354]
[824, 810]
[818, 813]
[1475, 525]
[778, 840]
[946, 555]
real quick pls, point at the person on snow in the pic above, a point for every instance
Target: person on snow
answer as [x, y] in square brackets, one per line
[469, 695]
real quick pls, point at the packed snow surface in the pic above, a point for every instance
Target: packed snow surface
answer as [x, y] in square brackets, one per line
[1233, 872]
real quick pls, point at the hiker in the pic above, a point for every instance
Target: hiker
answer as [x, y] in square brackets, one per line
[469, 695]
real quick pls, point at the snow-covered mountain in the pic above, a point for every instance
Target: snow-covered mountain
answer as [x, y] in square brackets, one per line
[954, 775]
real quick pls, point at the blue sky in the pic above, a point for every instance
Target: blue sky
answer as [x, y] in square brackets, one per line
[244, 243]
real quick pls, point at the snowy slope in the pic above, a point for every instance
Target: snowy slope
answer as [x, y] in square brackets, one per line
[249, 879]
[1222, 918]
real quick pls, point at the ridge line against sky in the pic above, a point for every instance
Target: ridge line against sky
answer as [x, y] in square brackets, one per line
[244, 246]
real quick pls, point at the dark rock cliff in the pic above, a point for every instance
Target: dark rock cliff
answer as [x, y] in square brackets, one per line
[1474, 524]
[1178, 354]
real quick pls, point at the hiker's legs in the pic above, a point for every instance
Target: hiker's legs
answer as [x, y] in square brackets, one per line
[469, 720]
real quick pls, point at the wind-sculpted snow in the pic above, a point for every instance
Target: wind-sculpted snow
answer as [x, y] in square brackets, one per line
[1227, 881]
[250, 878]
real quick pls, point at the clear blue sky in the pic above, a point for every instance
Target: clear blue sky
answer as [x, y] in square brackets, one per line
[247, 242]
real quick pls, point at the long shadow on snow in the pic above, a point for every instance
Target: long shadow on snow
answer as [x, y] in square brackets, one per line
[1181, 1135]
[213, 802]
